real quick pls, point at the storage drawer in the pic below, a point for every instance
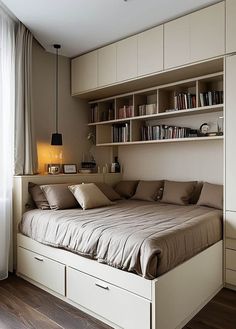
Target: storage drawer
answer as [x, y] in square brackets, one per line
[231, 259]
[230, 277]
[117, 305]
[41, 269]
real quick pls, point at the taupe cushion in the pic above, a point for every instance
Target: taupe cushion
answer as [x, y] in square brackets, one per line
[109, 192]
[196, 193]
[178, 192]
[148, 190]
[89, 196]
[211, 196]
[59, 196]
[126, 189]
[38, 196]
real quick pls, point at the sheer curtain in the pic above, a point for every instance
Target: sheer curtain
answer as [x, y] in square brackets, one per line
[7, 101]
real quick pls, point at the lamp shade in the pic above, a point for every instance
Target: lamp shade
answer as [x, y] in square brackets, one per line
[56, 139]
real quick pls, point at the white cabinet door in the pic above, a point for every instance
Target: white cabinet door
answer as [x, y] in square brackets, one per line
[150, 51]
[207, 32]
[230, 133]
[177, 42]
[127, 58]
[84, 73]
[230, 230]
[107, 65]
[230, 26]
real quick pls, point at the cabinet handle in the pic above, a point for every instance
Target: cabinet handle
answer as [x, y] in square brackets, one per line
[39, 259]
[100, 285]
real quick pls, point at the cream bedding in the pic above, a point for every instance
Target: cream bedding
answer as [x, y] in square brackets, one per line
[147, 238]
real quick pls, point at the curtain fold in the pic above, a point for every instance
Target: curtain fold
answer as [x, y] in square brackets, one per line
[7, 106]
[25, 146]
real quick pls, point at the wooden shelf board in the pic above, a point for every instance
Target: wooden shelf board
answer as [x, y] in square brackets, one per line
[173, 140]
[194, 111]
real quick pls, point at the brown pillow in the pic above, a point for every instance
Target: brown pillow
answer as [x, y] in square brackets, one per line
[109, 192]
[178, 192]
[59, 196]
[148, 190]
[196, 193]
[38, 196]
[126, 188]
[89, 196]
[211, 196]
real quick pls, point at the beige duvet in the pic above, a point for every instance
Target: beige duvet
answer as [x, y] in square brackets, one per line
[147, 238]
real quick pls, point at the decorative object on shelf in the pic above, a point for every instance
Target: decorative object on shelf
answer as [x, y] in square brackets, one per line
[220, 126]
[115, 166]
[56, 137]
[69, 168]
[204, 129]
[54, 168]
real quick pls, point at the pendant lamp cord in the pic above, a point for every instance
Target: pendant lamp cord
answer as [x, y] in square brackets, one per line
[56, 90]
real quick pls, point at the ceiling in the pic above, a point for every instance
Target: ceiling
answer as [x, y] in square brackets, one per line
[82, 25]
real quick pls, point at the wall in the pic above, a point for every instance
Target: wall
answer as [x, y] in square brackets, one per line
[175, 161]
[73, 113]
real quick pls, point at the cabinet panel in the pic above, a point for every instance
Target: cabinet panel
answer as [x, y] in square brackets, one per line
[84, 72]
[107, 65]
[230, 135]
[177, 42]
[127, 58]
[150, 51]
[231, 225]
[207, 31]
[230, 26]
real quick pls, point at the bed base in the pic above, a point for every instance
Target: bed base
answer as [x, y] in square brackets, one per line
[118, 298]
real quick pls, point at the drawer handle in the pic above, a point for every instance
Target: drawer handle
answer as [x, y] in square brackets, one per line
[39, 259]
[100, 285]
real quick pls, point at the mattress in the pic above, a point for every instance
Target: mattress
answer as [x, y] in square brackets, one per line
[146, 238]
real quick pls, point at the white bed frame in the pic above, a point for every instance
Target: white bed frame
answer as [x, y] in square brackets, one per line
[118, 298]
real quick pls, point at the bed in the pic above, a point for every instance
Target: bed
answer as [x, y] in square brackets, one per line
[134, 278]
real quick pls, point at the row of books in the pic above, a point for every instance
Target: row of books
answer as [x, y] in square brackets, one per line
[163, 132]
[121, 132]
[183, 101]
[94, 113]
[125, 112]
[211, 98]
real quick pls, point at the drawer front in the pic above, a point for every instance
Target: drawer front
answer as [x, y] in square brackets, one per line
[230, 277]
[41, 269]
[231, 259]
[119, 306]
[231, 224]
[230, 243]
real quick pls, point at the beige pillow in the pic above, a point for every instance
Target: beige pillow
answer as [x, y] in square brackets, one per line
[59, 196]
[38, 196]
[211, 196]
[148, 190]
[196, 193]
[126, 189]
[178, 192]
[109, 192]
[89, 196]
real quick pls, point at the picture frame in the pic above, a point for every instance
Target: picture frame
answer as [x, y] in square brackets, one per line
[69, 168]
[53, 168]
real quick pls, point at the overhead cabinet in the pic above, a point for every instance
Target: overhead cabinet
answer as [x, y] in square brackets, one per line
[107, 65]
[194, 37]
[230, 26]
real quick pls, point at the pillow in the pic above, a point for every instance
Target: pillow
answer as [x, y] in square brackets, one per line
[38, 196]
[109, 192]
[196, 193]
[211, 196]
[59, 196]
[178, 192]
[89, 196]
[148, 190]
[126, 189]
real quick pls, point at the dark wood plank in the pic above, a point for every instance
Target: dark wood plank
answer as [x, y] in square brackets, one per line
[9, 321]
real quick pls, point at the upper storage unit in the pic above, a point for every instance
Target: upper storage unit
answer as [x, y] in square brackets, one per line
[230, 26]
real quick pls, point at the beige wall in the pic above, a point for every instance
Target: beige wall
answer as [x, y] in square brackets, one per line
[73, 113]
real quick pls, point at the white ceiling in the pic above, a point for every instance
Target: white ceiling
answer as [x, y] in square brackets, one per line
[82, 25]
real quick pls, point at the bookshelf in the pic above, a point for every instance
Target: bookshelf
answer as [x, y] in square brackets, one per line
[170, 113]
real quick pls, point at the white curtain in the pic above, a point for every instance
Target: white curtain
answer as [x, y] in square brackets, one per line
[7, 104]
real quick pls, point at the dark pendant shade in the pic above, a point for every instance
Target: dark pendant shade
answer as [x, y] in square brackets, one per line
[56, 139]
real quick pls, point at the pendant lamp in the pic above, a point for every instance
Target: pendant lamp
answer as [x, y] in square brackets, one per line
[56, 137]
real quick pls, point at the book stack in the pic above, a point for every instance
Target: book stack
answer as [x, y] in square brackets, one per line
[211, 98]
[120, 132]
[94, 113]
[183, 101]
[125, 112]
[147, 109]
[163, 132]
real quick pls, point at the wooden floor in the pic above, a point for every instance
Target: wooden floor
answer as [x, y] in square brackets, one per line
[23, 305]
